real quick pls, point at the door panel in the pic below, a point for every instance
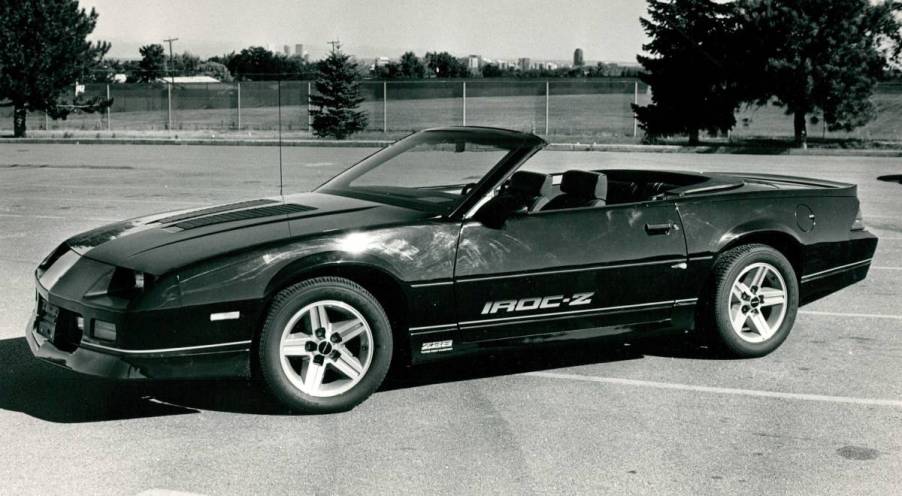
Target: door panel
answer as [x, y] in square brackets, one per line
[553, 272]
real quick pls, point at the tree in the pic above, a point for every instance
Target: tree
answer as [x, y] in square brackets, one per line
[153, 62]
[43, 52]
[257, 63]
[492, 71]
[818, 58]
[445, 65]
[214, 70]
[412, 67]
[688, 71]
[337, 97]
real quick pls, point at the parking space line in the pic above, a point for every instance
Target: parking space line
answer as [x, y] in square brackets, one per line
[60, 217]
[884, 267]
[842, 314]
[719, 390]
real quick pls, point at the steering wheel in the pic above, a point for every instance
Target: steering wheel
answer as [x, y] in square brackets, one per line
[467, 189]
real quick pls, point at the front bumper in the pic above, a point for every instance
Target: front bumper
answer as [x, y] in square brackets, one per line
[223, 361]
[158, 348]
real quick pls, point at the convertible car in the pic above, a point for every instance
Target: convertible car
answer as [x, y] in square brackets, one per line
[445, 242]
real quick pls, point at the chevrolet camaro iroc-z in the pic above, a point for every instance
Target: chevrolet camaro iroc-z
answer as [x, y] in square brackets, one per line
[445, 242]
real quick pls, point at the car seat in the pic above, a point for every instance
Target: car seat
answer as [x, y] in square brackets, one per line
[580, 189]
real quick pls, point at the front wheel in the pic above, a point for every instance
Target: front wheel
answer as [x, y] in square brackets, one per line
[755, 299]
[326, 345]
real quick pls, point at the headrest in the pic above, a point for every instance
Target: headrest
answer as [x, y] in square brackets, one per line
[530, 183]
[585, 184]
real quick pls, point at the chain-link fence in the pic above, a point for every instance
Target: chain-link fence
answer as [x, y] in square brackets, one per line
[574, 107]
[556, 107]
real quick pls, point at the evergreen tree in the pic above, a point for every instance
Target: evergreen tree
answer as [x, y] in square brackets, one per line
[337, 97]
[814, 57]
[43, 52]
[688, 71]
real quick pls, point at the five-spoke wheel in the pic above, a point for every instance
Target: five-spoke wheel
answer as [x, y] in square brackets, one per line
[755, 298]
[326, 345]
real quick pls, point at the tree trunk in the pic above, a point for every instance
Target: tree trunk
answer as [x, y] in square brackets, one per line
[801, 131]
[693, 137]
[19, 114]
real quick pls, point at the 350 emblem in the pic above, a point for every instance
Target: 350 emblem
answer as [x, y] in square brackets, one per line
[537, 303]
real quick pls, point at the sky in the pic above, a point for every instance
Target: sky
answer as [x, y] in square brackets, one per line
[606, 30]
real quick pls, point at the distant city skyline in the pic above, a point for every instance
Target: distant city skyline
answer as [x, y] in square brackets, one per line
[550, 30]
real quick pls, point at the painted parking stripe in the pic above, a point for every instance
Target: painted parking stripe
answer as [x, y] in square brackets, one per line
[60, 217]
[861, 315]
[719, 390]
[879, 267]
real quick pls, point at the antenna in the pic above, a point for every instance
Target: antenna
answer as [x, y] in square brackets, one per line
[280, 139]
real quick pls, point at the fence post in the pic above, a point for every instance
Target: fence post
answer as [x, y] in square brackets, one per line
[465, 103]
[635, 102]
[46, 122]
[239, 105]
[109, 126]
[547, 106]
[169, 106]
[309, 115]
[385, 107]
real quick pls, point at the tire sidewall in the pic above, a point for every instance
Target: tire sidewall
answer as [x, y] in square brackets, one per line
[282, 312]
[723, 324]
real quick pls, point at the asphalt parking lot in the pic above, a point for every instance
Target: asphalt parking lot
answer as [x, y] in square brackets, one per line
[821, 415]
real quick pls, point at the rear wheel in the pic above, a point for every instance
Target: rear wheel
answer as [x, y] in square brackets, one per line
[755, 299]
[326, 345]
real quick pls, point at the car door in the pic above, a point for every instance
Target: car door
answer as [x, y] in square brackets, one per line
[606, 268]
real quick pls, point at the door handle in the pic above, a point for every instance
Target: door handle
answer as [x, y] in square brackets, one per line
[652, 229]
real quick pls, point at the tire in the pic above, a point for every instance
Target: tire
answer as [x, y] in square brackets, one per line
[325, 347]
[752, 318]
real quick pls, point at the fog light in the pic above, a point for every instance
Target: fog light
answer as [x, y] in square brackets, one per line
[104, 330]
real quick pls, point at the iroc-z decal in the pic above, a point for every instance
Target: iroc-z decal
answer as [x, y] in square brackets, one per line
[537, 303]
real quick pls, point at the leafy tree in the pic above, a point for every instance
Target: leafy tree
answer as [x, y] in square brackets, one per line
[214, 70]
[412, 67]
[43, 52]
[391, 70]
[257, 63]
[445, 65]
[337, 97]
[688, 70]
[153, 62]
[492, 71]
[818, 58]
[185, 64]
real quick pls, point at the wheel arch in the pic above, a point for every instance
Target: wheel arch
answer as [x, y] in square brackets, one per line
[384, 286]
[782, 241]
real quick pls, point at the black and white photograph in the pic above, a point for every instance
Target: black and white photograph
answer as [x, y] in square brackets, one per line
[519, 247]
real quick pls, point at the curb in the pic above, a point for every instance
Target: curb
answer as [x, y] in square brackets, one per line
[377, 143]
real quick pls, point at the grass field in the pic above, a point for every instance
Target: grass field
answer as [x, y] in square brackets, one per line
[604, 115]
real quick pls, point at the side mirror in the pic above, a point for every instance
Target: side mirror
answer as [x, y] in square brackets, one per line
[496, 211]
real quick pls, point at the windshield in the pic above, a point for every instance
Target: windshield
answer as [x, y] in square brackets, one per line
[432, 171]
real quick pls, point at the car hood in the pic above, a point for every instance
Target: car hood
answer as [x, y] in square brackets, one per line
[161, 242]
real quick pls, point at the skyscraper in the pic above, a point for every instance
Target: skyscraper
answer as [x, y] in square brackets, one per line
[299, 49]
[578, 58]
[524, 63]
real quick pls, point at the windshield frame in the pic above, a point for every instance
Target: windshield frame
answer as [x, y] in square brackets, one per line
[519, 146]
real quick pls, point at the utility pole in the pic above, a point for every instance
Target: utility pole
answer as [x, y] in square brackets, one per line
[336, 44]
[170, 40]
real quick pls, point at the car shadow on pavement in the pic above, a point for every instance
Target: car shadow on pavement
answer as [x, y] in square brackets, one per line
[54, 394]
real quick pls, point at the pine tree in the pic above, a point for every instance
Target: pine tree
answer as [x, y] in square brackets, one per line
[689, 70]
[337, 97]
[43, 52]
[814, 57]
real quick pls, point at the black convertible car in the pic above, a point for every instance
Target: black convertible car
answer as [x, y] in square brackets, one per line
[442, 243]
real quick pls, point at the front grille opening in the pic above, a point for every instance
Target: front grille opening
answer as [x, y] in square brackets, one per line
[67, 336]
